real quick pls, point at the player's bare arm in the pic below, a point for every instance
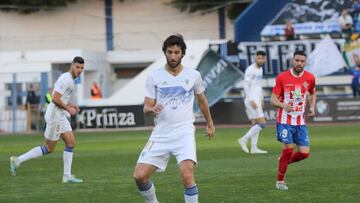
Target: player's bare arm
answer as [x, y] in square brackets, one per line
[277, 103]
[59, 103]
[151, 108]
[204, 107]
[253, 104]
[312, 105]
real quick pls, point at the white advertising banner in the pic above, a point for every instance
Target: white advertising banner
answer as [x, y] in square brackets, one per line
[325, 59]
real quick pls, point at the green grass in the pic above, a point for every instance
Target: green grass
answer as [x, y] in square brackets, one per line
[224, 174]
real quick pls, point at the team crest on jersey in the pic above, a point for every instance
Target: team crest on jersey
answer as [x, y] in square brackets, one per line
[306, 85]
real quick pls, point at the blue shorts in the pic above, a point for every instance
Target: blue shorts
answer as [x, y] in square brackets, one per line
[290, 134]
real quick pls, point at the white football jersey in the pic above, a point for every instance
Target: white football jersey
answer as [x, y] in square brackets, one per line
[176, 94]
[253, 83]
[65, 86]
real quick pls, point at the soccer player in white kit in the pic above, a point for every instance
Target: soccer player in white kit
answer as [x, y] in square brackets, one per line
[57, 118]
[169, 96]
[254, 102]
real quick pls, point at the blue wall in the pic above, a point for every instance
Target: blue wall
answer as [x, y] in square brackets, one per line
[249, 23]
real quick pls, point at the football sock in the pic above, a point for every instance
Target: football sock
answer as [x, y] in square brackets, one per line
[255, 129]
[255, 136]
[191, 194]
[254, 140]
[283, 163]
[147, 190]
[298, 156]
[33, 153]
[68, 157]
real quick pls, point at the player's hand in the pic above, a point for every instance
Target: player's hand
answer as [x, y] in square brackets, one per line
[210, 131]
[288, 107]
[157, 109]
[72, 110]
[311, 112]
[253, 104]
[77, 109]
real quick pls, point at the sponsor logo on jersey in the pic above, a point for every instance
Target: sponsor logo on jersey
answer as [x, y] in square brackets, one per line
[297, 95]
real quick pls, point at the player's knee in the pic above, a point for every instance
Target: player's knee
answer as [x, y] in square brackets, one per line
[140, 177]
[188, 178]
[71, 144]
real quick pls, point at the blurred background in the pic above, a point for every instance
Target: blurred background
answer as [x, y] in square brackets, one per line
[121, 43]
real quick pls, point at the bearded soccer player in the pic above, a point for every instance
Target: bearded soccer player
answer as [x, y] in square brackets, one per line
[57, 118]
[254, 102]
[289, 95]
[169, 96]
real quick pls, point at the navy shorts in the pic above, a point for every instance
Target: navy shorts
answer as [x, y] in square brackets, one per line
[290, 134]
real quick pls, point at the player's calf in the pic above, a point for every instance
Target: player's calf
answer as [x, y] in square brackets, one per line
[283, 163]
[298, 156]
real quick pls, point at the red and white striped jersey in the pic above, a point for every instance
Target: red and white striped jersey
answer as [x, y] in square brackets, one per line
[292, 90]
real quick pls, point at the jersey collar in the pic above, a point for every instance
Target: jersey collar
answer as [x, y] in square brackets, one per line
[296, 76]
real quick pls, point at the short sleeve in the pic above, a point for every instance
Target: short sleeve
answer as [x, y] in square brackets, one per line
[150, 87]
[312, 85]
[249, 75]
[277, 89]
[61, 85]
[198, 85]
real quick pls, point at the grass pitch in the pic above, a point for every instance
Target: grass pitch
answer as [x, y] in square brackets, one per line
[224, 174]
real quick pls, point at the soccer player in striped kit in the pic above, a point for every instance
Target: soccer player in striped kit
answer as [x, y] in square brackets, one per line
[289, 95]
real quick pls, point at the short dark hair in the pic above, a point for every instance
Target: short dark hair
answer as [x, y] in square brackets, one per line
[261, 53]
[299, 52]
[78, 59]
[175, 40]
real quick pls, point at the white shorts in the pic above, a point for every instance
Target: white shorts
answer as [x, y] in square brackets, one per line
[55, 129]
[254, 113]
[158, 153]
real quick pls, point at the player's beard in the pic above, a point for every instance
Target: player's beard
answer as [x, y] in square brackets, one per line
[173, 63]
[75, 74]
[259, 64]
[298, 69]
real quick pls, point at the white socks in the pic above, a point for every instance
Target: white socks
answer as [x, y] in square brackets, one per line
[191, 194]
[68, 157]
[33, 153]
[42, 150]
[148, 192]
[254, 140]
[253, 131]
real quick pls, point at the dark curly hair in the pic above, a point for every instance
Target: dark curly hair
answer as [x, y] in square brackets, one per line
[175, 40]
